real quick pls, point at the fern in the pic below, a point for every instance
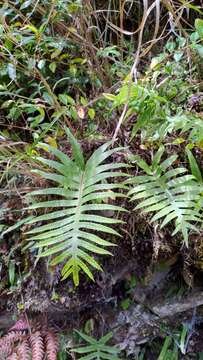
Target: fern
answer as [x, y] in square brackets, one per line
[9, 339]
[51, 345]
[84, 193]
[36, 342]
[21, 324]
[23, 351]
[185, 123]
[168, 192]
[5, 350]
[97, 349]
[13, 356]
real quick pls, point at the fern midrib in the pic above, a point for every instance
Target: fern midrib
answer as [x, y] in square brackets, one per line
[75, 241]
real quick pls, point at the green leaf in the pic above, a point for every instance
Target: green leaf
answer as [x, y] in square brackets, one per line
[183, 339]
[104, 339]
[52, 67]
[199, 27]
[194, 36]
[77, 153]
[32, 28]
[167, 343]
[110, 97]
[194, 166]
[91, 113]
[83, 101]
[87, 338]
[85, 349]
[125, 304]
[178, 55]
[157, 157]
[17, 225]
[66, 99]
[199, 49]
[109, 50]
[48, 98]
[142, 164]
[11, 272]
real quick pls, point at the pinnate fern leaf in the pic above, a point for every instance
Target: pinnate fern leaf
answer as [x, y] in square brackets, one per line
[97, 349]
[6, 349]
[21, 324]
[37, 346]
[75, 217]
[38, 343]
[51, 341]
[23, 351]
[7, 342]
[170, 193]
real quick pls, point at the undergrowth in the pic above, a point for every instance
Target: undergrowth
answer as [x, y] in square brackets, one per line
[101, 109]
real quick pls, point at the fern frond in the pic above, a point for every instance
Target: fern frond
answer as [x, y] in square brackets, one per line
[169, 193]
[97, 349]
[40, 344]
[13, 356]
[6, 348]
[51, 341]
[71, 230]
[23, 351]
[21, 324]
[12, 336]
[9, 339]
[37, 346]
